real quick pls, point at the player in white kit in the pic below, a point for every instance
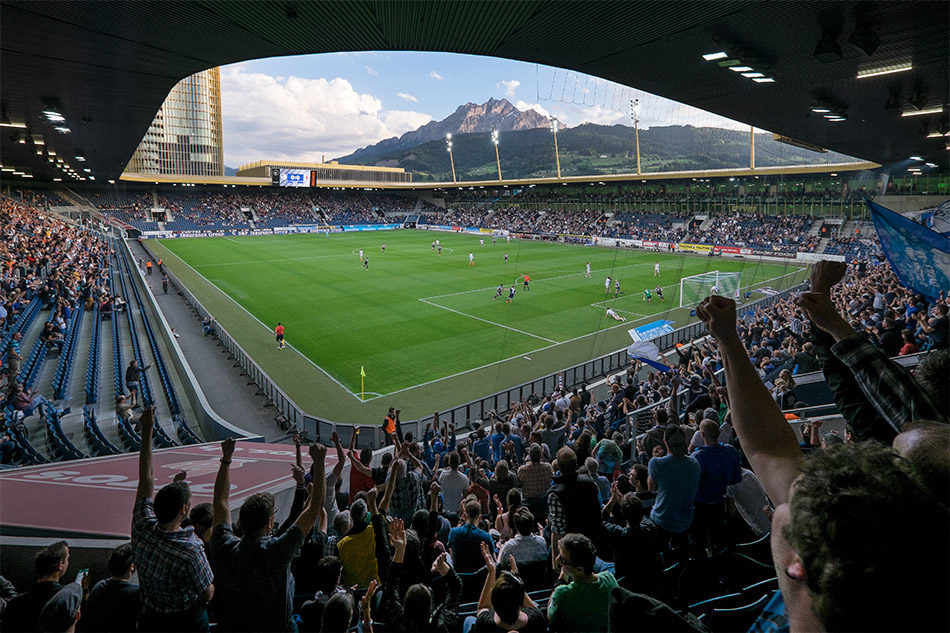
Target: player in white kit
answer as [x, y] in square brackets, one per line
[607, 286]
[656, 269]
[613, 315]
[588, 270]
[471, 259]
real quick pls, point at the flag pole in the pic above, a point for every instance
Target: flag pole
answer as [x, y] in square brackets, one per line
[362, 383]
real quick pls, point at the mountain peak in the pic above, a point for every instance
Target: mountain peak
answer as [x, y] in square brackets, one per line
[469, 118]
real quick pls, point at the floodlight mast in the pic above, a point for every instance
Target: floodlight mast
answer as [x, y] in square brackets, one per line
[494, 140]
[635, 114]
[448, 143]
[557, 158]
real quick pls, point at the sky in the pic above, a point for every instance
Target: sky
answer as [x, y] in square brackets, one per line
[312, 107]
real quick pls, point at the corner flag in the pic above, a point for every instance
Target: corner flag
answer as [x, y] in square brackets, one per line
[362, 383]
[362, 372]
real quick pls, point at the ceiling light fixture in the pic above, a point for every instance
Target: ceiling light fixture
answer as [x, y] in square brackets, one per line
[740, 69]
[753, 75]
[818, 110]
[764, 80]
[934, 110]
[884, 70]
[938, 134]
[709, 57]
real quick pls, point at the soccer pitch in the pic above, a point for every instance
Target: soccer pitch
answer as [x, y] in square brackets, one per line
[417, 316]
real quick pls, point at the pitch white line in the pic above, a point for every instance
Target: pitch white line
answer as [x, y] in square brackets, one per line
[264, 325]
[470, 316]
[230, 240]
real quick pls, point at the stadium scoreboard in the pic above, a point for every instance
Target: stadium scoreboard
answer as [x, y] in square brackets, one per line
[293, 177]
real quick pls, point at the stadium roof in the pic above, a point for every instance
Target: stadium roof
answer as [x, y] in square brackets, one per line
[106, 67]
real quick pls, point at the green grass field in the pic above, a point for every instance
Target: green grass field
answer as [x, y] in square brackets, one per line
[416, 316]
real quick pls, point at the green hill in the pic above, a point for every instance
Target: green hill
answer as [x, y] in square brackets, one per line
[590, 149]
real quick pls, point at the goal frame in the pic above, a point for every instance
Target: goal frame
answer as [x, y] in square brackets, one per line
[718, 275]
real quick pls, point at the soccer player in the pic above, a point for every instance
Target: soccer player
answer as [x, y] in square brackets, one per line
[506, 258]
[481, 242]
[656, 269]
[613, 315]
[493, 240]
[511, 295]
[361, 254]
[659, 293]
[607, 286]
[384, 248]
[617, 291]
[471, 259]
[526, 280]
[366, 264]
[714, 290]
[646, 295]
[439, 246]
[279, 335]
[433, 247]
[588, 270]
[500, 289]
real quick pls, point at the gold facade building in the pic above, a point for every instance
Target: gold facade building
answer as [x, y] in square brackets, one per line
[185, 137]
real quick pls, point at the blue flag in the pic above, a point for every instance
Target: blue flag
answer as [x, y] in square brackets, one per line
[648, 353]
[919, 256]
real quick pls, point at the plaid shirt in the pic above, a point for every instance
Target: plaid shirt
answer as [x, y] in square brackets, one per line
[888, 386]
[535, 479]
[407, 496]
[173, 569]
[557, 518]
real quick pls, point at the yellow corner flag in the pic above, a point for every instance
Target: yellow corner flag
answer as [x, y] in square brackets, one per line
[362, 372]
[362, 380]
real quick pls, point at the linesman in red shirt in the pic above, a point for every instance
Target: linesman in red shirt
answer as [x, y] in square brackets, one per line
[279, 335]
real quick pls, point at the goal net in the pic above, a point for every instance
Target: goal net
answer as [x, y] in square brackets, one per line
[695, 288]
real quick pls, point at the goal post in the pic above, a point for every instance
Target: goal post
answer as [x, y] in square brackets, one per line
[695, 288]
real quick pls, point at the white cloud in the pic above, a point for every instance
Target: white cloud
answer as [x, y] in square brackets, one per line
[371, 71]
[406, 96]
[436, 75]
[510, 87]
[537, 107]
[302, 119]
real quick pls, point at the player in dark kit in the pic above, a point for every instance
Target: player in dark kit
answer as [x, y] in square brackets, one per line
[659, 293]
[511, 295]
[498, 291]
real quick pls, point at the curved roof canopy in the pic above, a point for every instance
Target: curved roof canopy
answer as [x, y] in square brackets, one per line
[107, 66]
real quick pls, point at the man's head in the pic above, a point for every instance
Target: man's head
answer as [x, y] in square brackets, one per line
[836, 539]
[926, 445]
[638, 477]
[417, 607]
[257, 514]
[327, 574]
[567, 461]
[661, 416]
[710, 432]
[52, 561]
[675, 441]
[358, 512]
[534, 453]
[632, 509]
[507, 596]
[524, 521]
[342, 523]
[473, 510]
[366, 456]
[120, 562]
[172, 503]
[576, 553]
[201, 517]
[454, 460]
